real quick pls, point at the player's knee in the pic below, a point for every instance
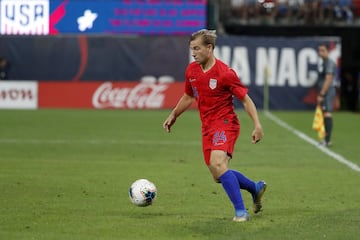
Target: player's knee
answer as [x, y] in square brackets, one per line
[218, 168]
[217, 164]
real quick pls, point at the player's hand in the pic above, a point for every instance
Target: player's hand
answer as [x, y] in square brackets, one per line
[169, 122]
[257, 134]
[319, 99]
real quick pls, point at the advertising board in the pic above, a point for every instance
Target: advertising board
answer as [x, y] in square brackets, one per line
[24, 17]
[134, 17]
[109, 95]
[18, 95]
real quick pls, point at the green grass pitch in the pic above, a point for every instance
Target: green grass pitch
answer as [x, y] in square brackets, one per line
[65, 174]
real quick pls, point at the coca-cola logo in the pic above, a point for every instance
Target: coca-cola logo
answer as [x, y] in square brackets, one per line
[142, 95]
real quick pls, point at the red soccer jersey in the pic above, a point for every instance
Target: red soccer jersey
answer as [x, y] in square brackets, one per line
[214, 91]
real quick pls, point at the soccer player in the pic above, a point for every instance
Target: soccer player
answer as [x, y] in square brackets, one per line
[327, 90]
[213, 84]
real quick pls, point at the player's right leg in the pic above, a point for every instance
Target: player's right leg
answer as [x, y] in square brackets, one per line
[218, 166]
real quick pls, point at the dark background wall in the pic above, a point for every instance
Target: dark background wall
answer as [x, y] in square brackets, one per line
[350, 52]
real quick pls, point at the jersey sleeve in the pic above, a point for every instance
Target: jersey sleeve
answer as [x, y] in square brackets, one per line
[188, 88]
[330, 67]
[235, 85]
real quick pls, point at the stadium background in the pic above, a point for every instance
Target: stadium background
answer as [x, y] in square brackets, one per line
[132, 54]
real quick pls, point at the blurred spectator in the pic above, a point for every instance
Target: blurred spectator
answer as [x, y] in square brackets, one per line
[288, 11]
[4, 66]
[293, 11]
[295, 8]
[268, 10]
[283, 10]
[310, 10]
[239, 10]
[343, 10]
[350, 90]
[326, 11]
[225, 14]
[245, 10]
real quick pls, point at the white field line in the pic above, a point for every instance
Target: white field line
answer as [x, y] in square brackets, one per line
[95, 142]
[311, 141]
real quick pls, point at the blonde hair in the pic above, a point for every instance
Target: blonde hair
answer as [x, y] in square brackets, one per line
[208, 36]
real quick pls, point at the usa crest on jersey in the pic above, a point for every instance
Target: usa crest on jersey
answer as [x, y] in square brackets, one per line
[212, 83]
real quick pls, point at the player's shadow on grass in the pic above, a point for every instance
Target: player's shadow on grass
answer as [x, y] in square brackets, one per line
[148, 215]
[221, 226]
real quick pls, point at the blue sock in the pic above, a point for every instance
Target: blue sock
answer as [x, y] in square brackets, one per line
[232, 188]
[244, 182]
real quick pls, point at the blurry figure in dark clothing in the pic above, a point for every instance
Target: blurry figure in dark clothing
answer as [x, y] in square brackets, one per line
[350, 91]
[3, 69]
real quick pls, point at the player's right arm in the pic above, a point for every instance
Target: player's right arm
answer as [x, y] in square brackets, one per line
[183, 104]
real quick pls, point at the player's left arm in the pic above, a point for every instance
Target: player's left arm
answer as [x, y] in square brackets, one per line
[326, 86]
[240, 91]
[329, 77]
[250, 108]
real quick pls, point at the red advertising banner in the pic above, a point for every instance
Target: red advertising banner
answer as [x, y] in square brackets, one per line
[109, 95]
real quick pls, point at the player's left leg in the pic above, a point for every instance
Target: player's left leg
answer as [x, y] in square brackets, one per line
[327, 108]
[245, 183]
[256, 189]
[328, 120]
[218, 166]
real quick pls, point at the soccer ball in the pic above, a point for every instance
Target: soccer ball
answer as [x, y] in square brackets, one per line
[142, 192]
